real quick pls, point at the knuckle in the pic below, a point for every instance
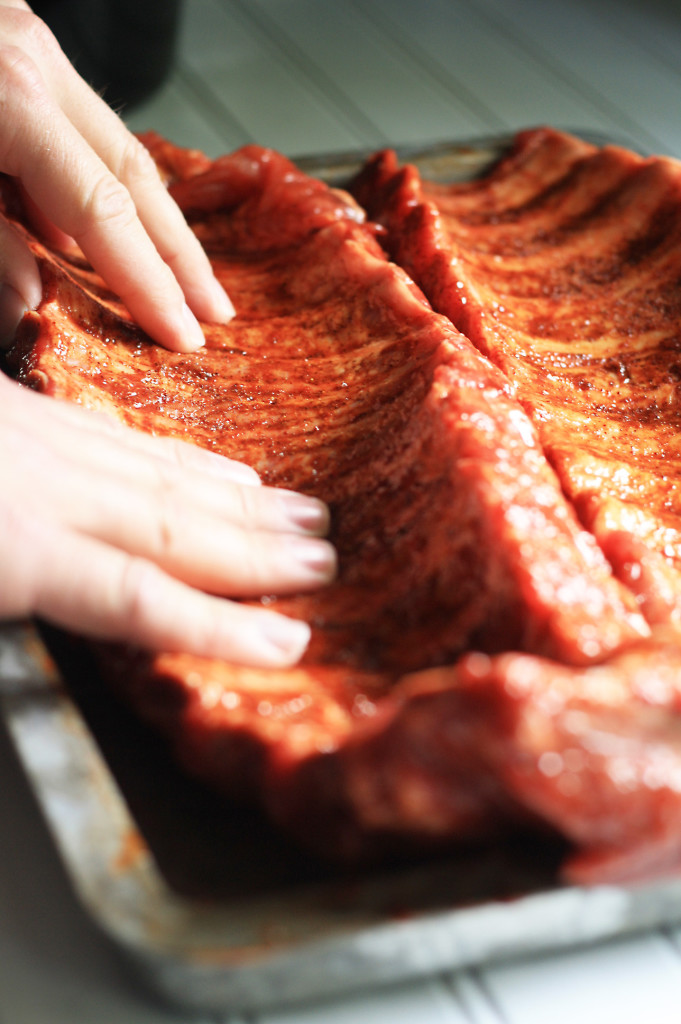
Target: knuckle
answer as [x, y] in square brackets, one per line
[166, 469]
[238, 508]
[19, 72]
[256, 568]
[135, 163]
[17, 562]
[207, 631]
[39, 36]
[108, 203]
[252, 501]
[18, 67]
[32, 30]
[247, 506]
[177, 458]
[138, 590]
[169, 526]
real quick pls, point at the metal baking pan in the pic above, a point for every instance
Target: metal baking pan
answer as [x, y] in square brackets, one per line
[218, 914]
[445, 162]
[217, 911]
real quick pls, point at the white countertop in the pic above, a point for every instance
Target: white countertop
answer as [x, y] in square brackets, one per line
[306, 77]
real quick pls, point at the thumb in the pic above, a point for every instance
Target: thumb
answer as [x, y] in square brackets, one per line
[20, 285]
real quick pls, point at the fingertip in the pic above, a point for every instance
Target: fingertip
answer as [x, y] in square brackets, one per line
[194, 334]
[187, 336]
[20, 283]
[222, 306]
[307, 513]
[209, 300]
[284, 639]
[13, 306]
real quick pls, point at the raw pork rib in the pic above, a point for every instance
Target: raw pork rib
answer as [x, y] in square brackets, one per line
[562, 265]
[453, 531]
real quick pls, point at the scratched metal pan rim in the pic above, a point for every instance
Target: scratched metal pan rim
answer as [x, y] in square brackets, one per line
[274, 937]
[442, 161]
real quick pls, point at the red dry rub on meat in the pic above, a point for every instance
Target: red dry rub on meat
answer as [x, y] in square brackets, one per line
[562, 265]
[337, 378]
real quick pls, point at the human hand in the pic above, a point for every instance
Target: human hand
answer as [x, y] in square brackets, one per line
[88, 178]
[119, 535]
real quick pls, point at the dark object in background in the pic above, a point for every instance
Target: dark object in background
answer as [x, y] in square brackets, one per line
[123, 48]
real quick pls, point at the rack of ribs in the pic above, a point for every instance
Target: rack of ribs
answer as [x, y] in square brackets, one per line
[499, 648]
[562, 266]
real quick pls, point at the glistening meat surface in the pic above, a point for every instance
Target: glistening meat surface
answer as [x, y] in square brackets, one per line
[453, 531]
[563, 266]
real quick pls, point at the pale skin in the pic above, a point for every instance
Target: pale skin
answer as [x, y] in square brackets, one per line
[104, 530]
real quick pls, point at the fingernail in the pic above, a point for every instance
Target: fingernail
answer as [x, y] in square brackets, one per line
[12, 309]
[289, 637]
[192, 334]
[316, 558]
[224, 308]
[309, 514]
